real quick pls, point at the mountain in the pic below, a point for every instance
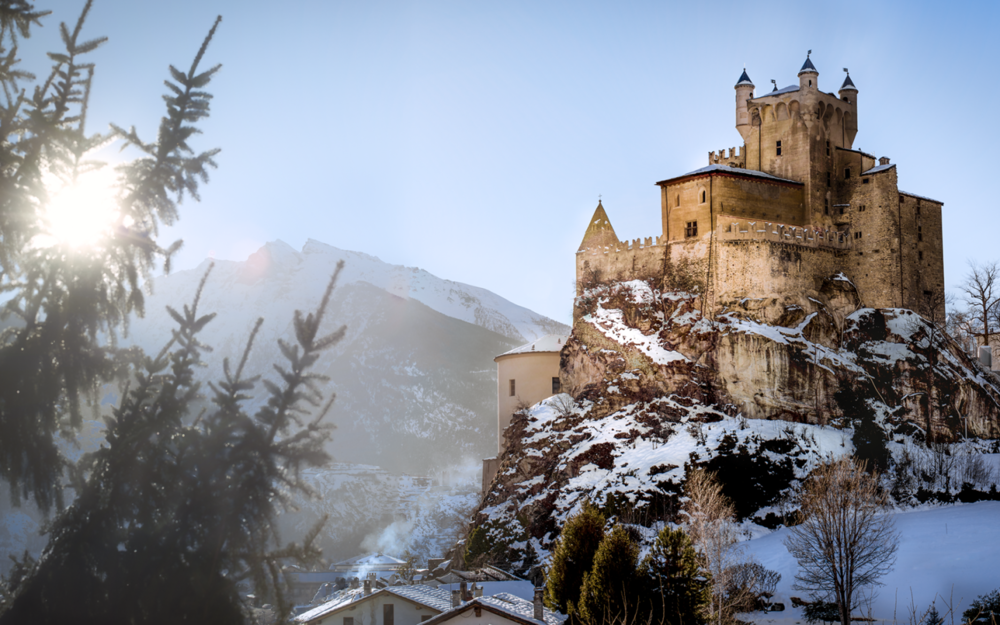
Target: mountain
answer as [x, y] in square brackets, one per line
[414, 375]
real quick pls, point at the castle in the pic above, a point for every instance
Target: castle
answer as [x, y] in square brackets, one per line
[795, 206]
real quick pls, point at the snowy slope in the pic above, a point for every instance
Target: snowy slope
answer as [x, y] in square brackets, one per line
[276, 279]
[948, 554]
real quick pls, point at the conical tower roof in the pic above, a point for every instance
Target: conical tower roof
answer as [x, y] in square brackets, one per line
[744, 79]
[848, 84]
[599, 233]
[808, 67]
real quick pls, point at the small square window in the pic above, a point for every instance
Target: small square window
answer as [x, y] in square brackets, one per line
[555, 386]
[864, 181]
[512, 393]
[691, 229]
[901, 199]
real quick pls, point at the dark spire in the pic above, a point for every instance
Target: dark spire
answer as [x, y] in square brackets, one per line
[744, 79]
[848, 83]
[808, 66]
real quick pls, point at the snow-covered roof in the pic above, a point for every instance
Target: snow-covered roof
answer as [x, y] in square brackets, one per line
[744, 79]
[434, 598]
[725, 169]
[848, 84]
[548, 343]
[808, 67]
[504, 604]
[921, 197]
[878, 168]
[788, 89]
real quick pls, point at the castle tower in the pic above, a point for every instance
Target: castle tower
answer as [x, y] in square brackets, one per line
[744, 91]
[849, 94]
[808, 75]
[600, 233]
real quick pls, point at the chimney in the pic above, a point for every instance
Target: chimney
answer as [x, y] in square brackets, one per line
[355, 583]
[456, 598]
[884, 160]
[464, 589]
[479, 591]
[539, 608]
[368, 587]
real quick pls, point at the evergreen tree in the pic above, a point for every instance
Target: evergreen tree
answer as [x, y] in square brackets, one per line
[572, 557]
[678, 587]
[175, 508]
[610, 592]
[985, 609]
[933, 618]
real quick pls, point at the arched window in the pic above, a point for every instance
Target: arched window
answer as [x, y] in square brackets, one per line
[677, 200]
[702, 196]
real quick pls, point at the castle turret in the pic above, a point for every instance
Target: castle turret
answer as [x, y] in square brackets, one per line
[600, 234]
[744, 91]
[808, 75]
[849, 94]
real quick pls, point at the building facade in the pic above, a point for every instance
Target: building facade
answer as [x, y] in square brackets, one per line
[794, 206]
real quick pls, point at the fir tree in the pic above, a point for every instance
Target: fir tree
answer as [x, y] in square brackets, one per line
[985, 609]
[572, 557]
[678, 587]
[175, 508]
[933, 618]
[609, 593]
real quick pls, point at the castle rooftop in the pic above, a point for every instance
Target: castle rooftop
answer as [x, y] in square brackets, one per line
[878, 168]
[730, 171]
[848, 84]
[548, 343]
[788, 89]
[920, 197]
[744, 79]
[808, 67]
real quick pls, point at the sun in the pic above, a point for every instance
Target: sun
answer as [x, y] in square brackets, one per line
[81, 215]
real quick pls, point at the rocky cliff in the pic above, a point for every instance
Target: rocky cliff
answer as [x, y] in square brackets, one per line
[760, 392]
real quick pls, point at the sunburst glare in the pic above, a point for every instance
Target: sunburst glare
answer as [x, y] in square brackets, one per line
[81, 215]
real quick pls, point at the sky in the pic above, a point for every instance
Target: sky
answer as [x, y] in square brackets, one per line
[473, 139]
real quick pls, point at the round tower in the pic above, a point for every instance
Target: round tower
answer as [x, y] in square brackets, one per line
[849, 95]
[744, 91]
[808, 75]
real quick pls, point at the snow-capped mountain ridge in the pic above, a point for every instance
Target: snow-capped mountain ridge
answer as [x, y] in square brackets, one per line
[277, 265]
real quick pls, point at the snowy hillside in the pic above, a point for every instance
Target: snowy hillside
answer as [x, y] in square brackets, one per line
[947, 555]
[414, 376]
[276, 279]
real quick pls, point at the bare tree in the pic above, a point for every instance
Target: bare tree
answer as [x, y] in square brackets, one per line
[846, 540]
[981, 291]
[712, 528]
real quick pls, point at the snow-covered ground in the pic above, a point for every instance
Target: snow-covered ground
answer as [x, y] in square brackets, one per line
[949, 555]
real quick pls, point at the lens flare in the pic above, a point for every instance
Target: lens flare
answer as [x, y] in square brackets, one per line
[81, 215]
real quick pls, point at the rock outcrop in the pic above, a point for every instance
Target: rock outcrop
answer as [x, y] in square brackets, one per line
[764, 391]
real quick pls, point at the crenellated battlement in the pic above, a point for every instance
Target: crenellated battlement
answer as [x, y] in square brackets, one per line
[809, 236]
[625, 246]
[724, 157]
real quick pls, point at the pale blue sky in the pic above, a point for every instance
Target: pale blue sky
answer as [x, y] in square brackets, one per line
[472, 139]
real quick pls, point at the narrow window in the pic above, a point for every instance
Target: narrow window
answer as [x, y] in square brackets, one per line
[842, 209]
[702, 197]
[387, 614]
[555, 386]
[920, 233]
[901, 199]
[810, 83]
[677, 200]
[828, 148]
[857, 235]
[862, 208]
[826, 206]
[828, 179]
[691, 229]
[918, 207]
[847, 173]
[778, 148]
[920, 255]
[512, 388]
